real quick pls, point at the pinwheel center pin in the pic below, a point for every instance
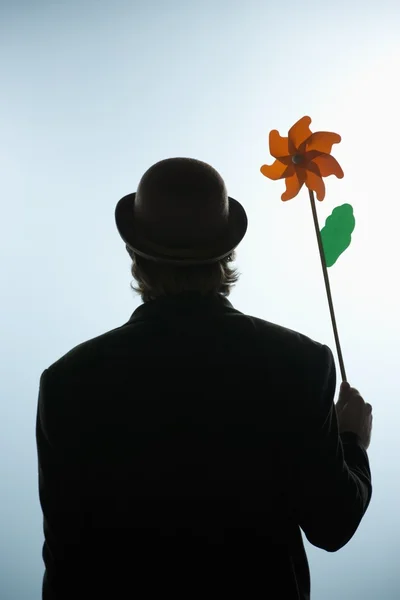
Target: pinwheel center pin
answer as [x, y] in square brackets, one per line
[297, 159]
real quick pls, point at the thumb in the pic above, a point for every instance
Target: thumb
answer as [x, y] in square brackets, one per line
[344, 388]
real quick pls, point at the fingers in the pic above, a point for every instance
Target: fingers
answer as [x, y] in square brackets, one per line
[349, 394]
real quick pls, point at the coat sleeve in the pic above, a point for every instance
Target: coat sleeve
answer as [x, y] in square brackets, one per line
[60, 493]
[330, 478]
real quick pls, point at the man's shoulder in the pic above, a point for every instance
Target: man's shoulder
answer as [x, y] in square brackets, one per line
[87, 353]
[270, 332]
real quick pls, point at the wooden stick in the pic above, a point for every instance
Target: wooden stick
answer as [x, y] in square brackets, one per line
[327, 286]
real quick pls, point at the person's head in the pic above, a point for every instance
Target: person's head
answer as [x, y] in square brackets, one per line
[182, 233]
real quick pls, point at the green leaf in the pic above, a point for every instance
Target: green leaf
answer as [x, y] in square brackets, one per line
[336, 235]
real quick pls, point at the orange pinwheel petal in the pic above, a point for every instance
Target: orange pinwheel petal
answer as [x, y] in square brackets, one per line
[321, 141]
[328, 165]
[277, 170]
[294, 184]
[299, 133]
[316, 183]
[278, 145]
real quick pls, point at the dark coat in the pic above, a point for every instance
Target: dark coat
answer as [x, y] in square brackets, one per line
[181, 453]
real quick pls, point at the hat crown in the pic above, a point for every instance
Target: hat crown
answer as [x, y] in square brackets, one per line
[182, 201]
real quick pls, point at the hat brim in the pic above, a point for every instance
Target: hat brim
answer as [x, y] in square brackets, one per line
[137, 241]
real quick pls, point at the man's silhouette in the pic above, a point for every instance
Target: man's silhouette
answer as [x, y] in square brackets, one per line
[182, 453]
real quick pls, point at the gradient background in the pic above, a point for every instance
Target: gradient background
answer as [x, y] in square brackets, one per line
[94, 92]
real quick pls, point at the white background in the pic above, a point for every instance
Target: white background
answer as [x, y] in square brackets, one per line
[94, 92]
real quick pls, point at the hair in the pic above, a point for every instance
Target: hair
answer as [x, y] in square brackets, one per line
[157, 279]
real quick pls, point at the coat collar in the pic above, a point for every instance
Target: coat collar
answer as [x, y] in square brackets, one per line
[184, 304]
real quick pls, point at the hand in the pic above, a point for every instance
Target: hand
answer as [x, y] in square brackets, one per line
[354, 414]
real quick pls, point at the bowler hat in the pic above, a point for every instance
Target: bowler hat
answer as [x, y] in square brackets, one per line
[181, 214]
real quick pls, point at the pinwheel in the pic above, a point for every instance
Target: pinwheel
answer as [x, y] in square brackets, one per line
[304, 158]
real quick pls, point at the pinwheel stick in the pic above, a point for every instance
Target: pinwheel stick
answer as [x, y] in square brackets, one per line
[327, 286]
